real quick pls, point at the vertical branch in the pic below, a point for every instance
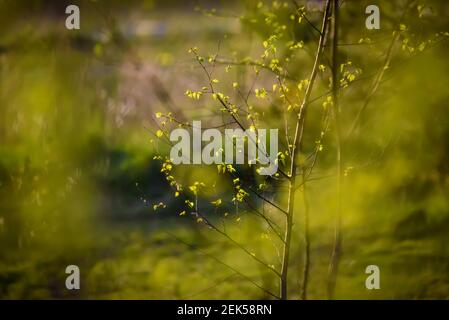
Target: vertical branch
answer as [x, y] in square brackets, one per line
[306, 266]
[300, 122]
[336, 249]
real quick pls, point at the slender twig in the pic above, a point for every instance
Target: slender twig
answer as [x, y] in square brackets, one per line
[380, 75]
[306, 262]
[376, 83]
[270, 223]
[224, 264]
[305, 18]
[248, 62]
[213, 286]
[268, 201]
[234, 242]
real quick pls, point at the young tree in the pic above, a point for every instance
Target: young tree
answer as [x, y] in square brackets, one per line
[294, 88]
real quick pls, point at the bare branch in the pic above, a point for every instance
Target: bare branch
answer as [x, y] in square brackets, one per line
[224, 234]
[224, 264]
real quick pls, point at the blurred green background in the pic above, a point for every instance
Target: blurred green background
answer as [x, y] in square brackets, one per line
[78, 180]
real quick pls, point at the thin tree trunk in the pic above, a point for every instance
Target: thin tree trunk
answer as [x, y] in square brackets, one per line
[336, 250]
[287, 239]
[306, 266]
[295, 150]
